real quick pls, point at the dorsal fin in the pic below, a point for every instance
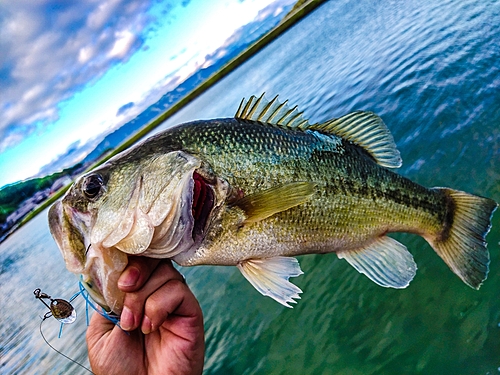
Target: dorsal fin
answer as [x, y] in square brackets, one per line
[271, 112]
[364, 129]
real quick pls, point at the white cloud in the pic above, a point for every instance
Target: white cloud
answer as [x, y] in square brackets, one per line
[123, 43]
[85, 54]
[52, 49]
[33, 92]
[101, 15]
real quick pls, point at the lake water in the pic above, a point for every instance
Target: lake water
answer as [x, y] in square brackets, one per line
[431, 70]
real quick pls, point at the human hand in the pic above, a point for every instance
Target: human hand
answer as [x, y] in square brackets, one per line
[164, 321]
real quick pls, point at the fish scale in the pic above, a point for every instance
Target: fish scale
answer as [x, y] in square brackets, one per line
[272, 186]
[229, 145]
[340, 180]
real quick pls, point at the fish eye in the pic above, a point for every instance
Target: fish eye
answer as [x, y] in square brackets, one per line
[92, 185]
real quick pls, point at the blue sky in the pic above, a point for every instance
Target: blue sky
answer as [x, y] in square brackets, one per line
[67, 67]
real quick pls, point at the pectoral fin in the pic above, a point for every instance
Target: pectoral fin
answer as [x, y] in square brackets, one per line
[261, 205]
[385, 262]
[270, 277]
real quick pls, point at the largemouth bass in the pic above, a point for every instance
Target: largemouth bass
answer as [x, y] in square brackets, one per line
[256, 190]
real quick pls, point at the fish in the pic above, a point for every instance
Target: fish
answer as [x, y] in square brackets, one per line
[256, 191]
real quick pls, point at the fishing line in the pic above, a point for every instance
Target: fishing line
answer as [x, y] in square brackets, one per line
[110, 316]
[65, 313]
[57, 351]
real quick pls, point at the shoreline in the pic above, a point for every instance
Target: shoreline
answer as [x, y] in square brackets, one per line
[286, 23]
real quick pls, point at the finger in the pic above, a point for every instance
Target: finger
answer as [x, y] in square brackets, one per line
[173, 299]
[137, 272]
[132, 313]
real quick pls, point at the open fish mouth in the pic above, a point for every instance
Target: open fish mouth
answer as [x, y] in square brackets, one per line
[157, 219]
[104, 265]
[202, 206]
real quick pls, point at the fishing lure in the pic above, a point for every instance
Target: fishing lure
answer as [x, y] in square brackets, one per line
[64, 312]
[60, 309]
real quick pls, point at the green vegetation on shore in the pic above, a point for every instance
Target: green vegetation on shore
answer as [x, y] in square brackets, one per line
[11, 196]
[300, 10]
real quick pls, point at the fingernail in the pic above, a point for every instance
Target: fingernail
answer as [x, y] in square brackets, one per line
[129, 278]
[126, 319]
[147, 327]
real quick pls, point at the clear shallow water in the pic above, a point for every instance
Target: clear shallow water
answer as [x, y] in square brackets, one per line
[431, 70]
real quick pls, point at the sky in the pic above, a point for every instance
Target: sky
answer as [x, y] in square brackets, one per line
[71, 71]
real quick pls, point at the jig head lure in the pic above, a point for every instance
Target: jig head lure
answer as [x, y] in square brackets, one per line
[60, 309]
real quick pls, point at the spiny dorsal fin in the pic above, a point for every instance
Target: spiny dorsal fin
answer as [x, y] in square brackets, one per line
[368, 131]
[271, 112]
[364, 129]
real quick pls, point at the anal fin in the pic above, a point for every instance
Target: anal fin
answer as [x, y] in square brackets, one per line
[385, 261]
[270, 277]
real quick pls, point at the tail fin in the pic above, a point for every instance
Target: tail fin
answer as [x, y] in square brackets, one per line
[462, 243]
